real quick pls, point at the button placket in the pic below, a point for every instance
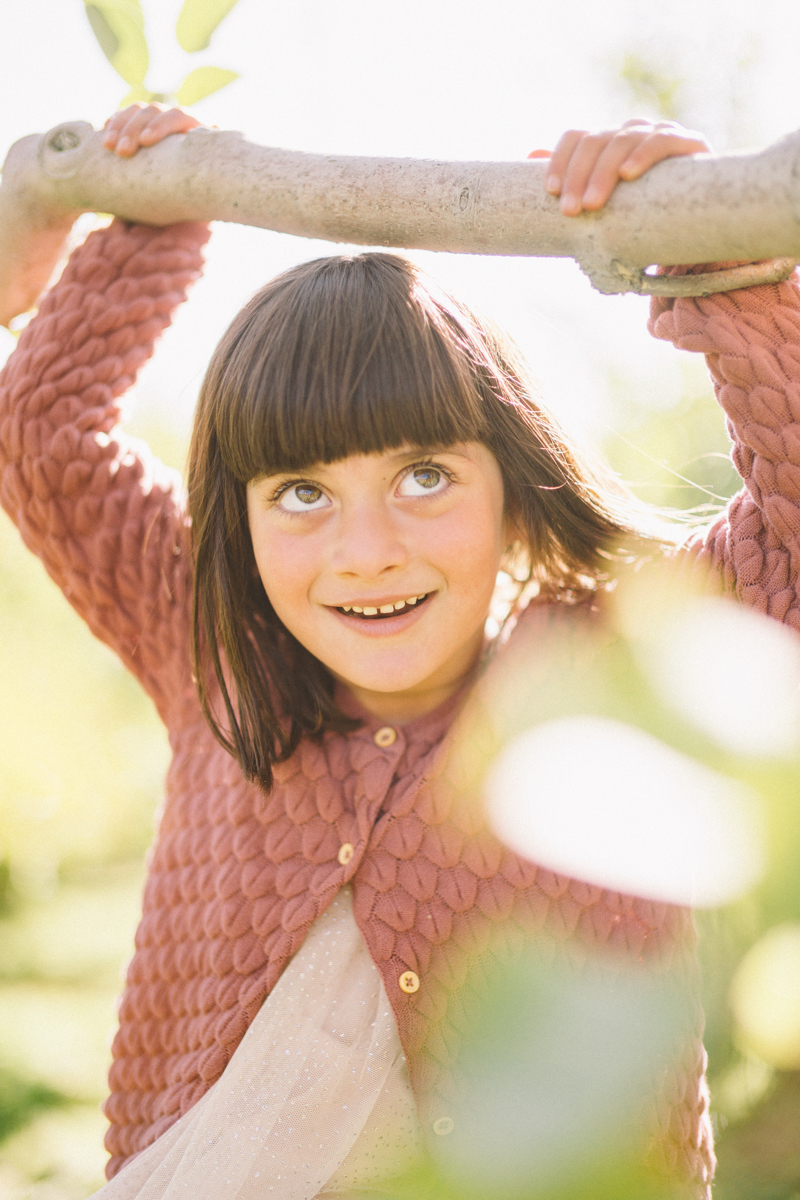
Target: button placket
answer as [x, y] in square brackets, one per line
[365, 805]
[391, 743]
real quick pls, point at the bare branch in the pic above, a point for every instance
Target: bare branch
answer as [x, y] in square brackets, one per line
[698, 209]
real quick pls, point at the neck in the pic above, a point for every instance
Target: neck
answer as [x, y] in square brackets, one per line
[399, 708]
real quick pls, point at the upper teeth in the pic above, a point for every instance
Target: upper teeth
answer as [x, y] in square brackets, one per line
[384, 608]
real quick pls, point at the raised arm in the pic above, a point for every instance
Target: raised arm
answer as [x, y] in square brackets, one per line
[751, 339]
[107, 520]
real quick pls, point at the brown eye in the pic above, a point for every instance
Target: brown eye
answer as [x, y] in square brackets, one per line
[423, 479]
[307, 494]
[303, 496]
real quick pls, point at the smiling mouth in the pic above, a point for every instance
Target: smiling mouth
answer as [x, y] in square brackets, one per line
[368, 613]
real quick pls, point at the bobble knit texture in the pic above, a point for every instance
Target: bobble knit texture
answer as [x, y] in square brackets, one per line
[236, 877]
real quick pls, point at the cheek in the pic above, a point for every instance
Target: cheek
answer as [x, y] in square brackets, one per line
[286, 566]
[472, 541]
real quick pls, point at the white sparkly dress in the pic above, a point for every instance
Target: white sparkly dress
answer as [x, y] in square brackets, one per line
[314, 1105]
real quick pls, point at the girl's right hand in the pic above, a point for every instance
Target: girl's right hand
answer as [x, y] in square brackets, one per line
[143, 125]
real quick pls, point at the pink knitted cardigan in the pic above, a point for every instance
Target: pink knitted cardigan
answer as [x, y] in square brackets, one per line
[236, 877]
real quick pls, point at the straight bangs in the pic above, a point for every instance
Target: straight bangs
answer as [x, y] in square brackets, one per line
[344, 356]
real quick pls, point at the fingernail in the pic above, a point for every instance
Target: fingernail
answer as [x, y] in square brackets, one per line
[125, 143]
[592, 196]
[570, 205]
[553, 183]
[110, 138]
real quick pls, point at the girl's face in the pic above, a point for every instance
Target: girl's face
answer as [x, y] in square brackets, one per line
[383, 566]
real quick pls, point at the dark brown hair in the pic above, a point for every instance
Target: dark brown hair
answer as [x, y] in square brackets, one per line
[353, 355]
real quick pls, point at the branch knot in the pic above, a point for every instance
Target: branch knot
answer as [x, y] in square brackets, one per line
[59, 150]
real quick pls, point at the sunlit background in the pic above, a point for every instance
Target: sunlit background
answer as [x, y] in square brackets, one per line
[83, 753]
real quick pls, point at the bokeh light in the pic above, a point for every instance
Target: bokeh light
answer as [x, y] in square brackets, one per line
[607, 803]
[765, 997]
[731, 672]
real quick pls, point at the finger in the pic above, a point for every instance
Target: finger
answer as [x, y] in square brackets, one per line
[128, 140]
[173, 120]
[117, 121]
[661, 143]
[540, 153]
[606, 171]
[581, 164]
[643, 122]
[560, 159]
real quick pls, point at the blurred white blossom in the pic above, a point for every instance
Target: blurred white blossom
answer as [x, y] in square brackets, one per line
[732, 672]
[607, 803]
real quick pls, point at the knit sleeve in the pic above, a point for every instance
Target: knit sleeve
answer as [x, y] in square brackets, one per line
[108, 520]
[751, 340]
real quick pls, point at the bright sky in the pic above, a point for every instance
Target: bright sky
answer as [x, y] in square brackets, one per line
[429, 78]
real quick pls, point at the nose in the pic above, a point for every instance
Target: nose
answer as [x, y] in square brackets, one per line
[368, 543]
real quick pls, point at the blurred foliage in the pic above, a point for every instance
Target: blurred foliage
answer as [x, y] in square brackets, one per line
[676, 457]
[21, 1099]
[650, 86]
[679, 457]
[119, 27]
[72, 721]
[197, 21]
[759, 1158]
[556, 1064]
[81, 776]
[201, 83]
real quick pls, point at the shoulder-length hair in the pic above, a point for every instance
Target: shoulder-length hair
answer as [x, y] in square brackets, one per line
[355, 355]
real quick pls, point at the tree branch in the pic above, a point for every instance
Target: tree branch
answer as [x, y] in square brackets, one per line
[698, 209]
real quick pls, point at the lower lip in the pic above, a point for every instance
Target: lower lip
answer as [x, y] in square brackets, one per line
[386, 626]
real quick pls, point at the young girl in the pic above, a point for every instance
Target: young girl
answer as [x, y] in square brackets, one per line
[367, 455]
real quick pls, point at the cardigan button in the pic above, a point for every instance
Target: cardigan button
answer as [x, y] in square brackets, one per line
[386, 736]
[443, 1126]
[346, 852]
[409, 982]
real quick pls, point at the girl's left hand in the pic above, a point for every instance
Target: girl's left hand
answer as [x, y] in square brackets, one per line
[144, 125]
[586, 167]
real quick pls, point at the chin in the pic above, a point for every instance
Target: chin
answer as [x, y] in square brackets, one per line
[380, 680]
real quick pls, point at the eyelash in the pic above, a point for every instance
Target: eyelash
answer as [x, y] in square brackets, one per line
[284, 487]
[427, 462]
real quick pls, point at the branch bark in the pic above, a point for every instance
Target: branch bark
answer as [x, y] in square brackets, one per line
[699, 209]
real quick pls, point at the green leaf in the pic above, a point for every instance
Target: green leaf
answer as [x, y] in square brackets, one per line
[203, 82]
[197, 21]
[118, 26]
